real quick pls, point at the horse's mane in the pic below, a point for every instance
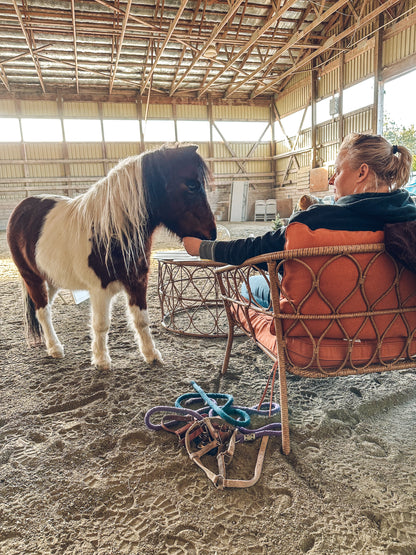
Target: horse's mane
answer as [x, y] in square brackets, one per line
[117, 209]
[114, 209]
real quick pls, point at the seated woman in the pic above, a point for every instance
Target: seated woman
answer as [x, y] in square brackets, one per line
[368, 180]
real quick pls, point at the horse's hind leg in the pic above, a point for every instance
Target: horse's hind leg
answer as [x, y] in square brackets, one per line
[44, 315]
[42, 299]
[100, 320]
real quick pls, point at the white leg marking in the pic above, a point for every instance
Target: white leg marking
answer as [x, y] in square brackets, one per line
[147, 347]
[52, 291]
[100, 320]
[53, 345]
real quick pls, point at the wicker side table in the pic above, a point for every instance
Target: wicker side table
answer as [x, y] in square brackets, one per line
[189, 295]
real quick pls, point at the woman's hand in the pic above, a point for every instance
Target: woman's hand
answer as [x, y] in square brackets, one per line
[192, 245]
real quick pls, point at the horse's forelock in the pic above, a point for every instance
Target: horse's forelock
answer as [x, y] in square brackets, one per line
[205, 172]
[159, 164]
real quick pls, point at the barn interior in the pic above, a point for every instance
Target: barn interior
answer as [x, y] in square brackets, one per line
[267, 89]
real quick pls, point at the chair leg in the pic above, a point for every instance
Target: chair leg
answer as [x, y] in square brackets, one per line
[284, 412]
[230, 340]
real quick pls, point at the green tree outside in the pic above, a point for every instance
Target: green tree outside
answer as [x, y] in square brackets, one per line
[401, 135]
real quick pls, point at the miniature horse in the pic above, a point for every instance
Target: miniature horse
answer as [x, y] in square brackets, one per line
[101, 241]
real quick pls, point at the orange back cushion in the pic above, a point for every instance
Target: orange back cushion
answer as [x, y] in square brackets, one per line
[342, 288]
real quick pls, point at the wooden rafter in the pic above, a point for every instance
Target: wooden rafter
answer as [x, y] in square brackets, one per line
[331, 41]
[182, 55]
[165, 42]
[26, 53]
[252, 41]
[75, 43]
[141, 21]
[3, 77]
[88, 70]
[289, 51]
[213, 35]
[294, 40]
[29, 44]
[260, 44]
[120, 44]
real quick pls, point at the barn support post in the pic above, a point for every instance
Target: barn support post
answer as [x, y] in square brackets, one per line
[139, 110]
[314, 94]
[106, 167]
[341, 98]
[273, 145]
[67, 172]
[18, 108]
[378, 105]
[175, 120]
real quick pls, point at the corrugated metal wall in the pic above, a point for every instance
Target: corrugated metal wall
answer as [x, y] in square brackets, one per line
[295, 97]
[69, 167]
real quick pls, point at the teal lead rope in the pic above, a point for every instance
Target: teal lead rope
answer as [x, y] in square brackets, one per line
[236, 416]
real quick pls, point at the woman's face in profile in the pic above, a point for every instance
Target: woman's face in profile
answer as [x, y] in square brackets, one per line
[344, 178]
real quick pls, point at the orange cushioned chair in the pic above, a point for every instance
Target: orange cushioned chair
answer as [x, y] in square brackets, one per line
[343, 306]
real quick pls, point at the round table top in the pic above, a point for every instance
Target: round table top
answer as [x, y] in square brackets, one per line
[182, 257]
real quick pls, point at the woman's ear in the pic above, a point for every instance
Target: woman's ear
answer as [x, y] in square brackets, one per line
[363, 172]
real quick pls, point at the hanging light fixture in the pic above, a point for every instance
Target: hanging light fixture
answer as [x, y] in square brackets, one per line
[210, 52]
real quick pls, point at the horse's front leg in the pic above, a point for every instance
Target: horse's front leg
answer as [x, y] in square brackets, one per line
[140, 320]
[100, 322]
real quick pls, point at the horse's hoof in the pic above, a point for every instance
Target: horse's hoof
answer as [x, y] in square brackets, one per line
[102, 363]
[56, 351]
[153, 357]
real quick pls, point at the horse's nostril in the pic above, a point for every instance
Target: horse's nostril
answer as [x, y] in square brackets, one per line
[214, 234]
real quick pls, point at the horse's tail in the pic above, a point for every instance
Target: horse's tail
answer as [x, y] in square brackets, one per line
[33, 331]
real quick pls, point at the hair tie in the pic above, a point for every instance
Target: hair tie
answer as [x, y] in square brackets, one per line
[395, 149]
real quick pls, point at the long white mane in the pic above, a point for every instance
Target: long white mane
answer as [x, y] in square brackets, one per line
[115, 209]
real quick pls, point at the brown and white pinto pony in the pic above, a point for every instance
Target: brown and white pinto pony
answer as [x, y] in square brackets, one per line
[100, 241]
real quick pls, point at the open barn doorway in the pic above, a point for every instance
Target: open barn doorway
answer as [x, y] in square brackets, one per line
[400, 116]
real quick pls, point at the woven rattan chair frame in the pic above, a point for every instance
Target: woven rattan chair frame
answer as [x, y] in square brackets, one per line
[239, 309]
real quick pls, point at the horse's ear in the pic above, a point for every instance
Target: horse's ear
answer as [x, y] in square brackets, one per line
[192, 148]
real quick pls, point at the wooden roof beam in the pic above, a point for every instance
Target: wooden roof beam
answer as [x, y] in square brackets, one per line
[75, 43]
[28, 42]
[289, 51]
[251, 42]
[88, 70]
[120, 44]
[295, 39]
[3, 77]
[165, 42]
[213, 35]
[143, 23]
[24, 54]
[331, 41]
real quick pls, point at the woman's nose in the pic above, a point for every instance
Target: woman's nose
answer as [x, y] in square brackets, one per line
[331, 179]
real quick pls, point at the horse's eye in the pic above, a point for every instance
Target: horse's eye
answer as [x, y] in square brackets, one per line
[193, 185]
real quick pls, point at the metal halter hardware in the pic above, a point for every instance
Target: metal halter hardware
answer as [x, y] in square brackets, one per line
[224, 450]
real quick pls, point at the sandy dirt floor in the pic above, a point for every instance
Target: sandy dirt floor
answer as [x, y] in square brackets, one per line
[81, 474]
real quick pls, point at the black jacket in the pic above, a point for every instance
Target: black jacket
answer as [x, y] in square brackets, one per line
[362, 212]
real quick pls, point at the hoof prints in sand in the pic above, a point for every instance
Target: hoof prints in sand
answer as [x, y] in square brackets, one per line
[81, 474]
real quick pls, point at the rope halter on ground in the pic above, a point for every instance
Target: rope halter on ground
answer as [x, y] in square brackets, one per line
[213, 430]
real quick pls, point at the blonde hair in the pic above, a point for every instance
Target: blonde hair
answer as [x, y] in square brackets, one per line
[390, 164]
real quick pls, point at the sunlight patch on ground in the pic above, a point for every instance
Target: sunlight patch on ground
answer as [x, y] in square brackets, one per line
[8, 269]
